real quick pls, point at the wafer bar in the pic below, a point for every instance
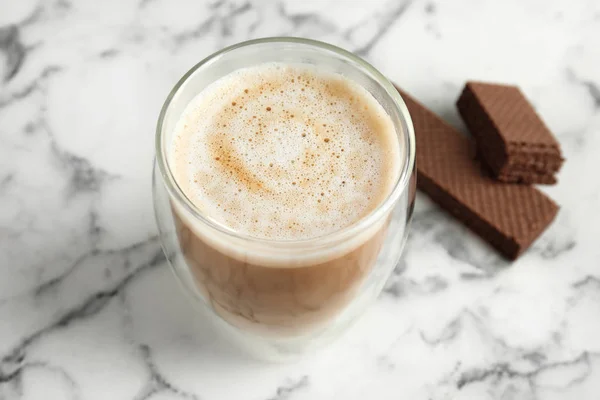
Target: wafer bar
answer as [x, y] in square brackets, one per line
[508, 216]
[511, 138]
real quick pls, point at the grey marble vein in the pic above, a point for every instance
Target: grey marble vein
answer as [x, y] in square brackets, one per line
[309, 21]
[13, 49]
[593, 88]
[200, 30]
[6, 180]
[227, 20]
[383, 21]
[84, 177]
[30, 88]
[553, 250]
[157, 382]
[110, 53]
[395, 284]
[430, 8]
[586, 281]
[88, 307]
[500, 371]
[52, 283]
[15, 379]
[594, 91]
[449, 333]
[286, 391]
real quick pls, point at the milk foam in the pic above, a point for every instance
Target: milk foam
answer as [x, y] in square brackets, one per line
[284, 152]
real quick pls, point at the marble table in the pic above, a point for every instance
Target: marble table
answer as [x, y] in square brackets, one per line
[88, 306]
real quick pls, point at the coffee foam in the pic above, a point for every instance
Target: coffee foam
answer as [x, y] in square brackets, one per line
[285, 152]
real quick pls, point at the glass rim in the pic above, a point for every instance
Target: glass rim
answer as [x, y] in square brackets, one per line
[401, 184]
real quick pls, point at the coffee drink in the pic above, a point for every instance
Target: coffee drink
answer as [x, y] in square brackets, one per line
[280, 154]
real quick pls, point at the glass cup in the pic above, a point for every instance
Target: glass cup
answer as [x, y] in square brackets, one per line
[281, 298]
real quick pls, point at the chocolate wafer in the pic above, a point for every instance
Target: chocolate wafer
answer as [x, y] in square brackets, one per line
[511, 138]
[508, 216]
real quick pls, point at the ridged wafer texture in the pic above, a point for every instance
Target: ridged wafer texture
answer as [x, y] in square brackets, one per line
[509, 133]
[508, 216]
[527, 177]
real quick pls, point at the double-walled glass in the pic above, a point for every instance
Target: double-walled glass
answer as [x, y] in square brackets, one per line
[282, 297]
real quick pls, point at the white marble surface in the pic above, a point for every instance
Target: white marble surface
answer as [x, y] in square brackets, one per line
[88, 307]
